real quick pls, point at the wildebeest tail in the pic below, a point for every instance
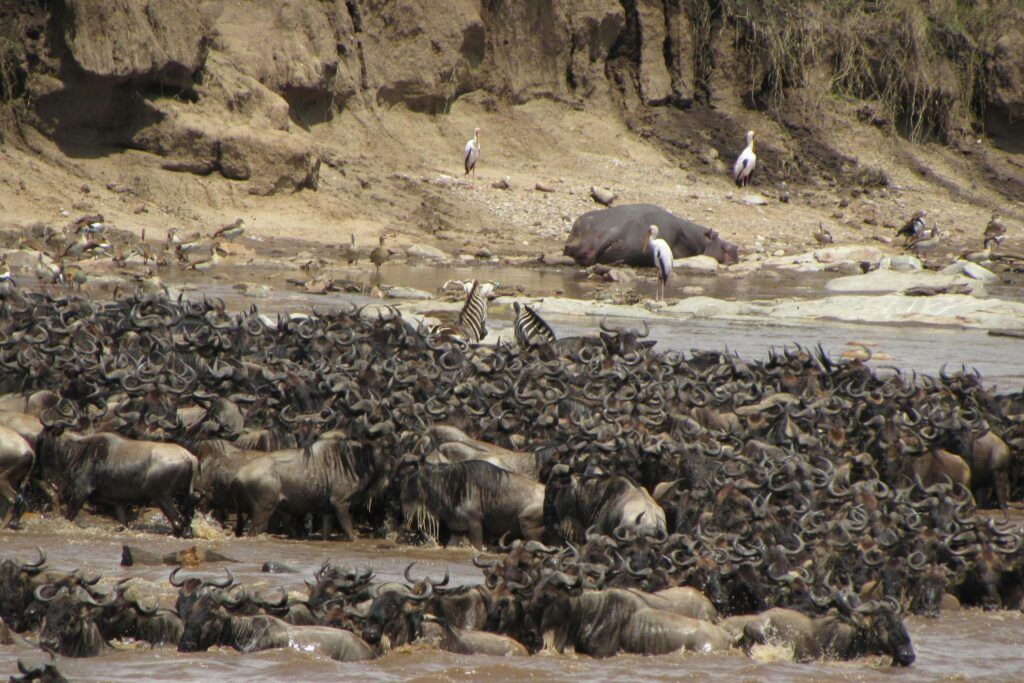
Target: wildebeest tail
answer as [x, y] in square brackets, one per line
[530, 328]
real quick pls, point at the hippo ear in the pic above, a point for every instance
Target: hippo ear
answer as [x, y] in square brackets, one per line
[712, 235]
[708, 233]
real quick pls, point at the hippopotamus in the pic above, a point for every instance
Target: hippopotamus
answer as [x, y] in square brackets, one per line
[617, 235]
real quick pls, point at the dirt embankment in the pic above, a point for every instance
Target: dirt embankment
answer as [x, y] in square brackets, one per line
[316, 119]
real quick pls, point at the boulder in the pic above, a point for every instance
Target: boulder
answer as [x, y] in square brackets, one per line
[971, 270]
[855, 253]
[408, 293]
[655, 80]
[602, 196]
[696, 264]
[425, 252]
[1007, 68]
[891, 281]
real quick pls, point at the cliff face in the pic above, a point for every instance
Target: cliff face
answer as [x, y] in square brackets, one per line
[234, 87]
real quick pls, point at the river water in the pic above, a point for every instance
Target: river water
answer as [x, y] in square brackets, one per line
[969, 645]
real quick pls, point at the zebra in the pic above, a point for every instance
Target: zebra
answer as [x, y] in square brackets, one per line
[471, 324]
[530, 328]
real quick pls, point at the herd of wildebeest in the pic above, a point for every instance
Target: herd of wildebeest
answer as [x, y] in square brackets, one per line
[625, 498]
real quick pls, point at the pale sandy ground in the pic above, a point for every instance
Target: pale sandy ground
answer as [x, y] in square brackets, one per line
[402, 173]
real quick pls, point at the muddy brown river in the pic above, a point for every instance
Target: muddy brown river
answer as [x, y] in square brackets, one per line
[969, 645]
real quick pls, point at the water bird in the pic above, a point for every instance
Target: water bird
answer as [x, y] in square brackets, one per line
[995, 231]
[472, 153]
[351, 250]
[661, 254]
[926, 240]
[380, 255]
[48, 273]
[231, 230]
[208, 263]
[823, 235]
[912, 228]
[745, 162]
[7, 283]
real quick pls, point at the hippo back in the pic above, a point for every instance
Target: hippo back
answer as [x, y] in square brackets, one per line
[618, 234]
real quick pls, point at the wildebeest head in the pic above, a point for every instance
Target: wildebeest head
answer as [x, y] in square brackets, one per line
[46, 673]
[885, 631]
[929, 588]
[204, 623]
[191, 589]
[16, 586]
[395, 615]
[720, 250]
[549, 604]
[561, 501]
[68, 627]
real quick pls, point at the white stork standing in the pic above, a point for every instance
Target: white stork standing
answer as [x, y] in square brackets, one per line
[661, 253]
[472, 153]
[745, 162]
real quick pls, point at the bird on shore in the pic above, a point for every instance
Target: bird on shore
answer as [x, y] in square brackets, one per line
[72, 275]
[380, 255]
[912, 228]
[926, 240]
[661, 254]
[745, 162]
[206, 264]
[823, 235]
[995, 231]
[183, 249]
[47, 273]
[472, 153]
[7, 283]
[351, 250]
[230, 231]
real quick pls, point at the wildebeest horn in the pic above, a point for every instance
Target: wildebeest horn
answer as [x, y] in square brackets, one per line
[38, 592]
[35, 568]
[225, 582]
[484, 564]
[176, 584]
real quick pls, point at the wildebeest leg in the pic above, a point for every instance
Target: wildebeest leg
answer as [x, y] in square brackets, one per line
[239, 522]
[1001, 485]
[260, 520]
[166, 505]
[476, 534]
[122, 515]
[8, 493]
[344, 519]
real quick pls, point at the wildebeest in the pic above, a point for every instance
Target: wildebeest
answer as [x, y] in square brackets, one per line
[456, 446]
[107, 468]
[44, 673]
[69, 628]
[396, 618]
[602, 501]
[473, 499]
[321, 479]
[604, 623]
[16, 458]
[126, 617]
[219, 462]
[872, 628]
[209, 623]
[618, 234]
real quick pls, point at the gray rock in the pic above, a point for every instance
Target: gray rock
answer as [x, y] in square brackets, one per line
[971, 270]
[602, 196]
[905, 263]
[754, 200]
[425, 252]
[503, 184]
[257, 292]
[696, 264]
[408, 293]
[854, 253]
[891, 281]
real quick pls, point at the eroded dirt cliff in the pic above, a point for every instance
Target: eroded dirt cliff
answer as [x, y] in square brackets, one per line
[179, 111]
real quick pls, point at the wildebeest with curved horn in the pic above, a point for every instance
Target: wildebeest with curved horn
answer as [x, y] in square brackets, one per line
[108, 468]
[209, 623]
[474, 499]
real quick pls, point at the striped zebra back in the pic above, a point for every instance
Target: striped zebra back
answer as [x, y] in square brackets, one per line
[530, 328]
[473, 316]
